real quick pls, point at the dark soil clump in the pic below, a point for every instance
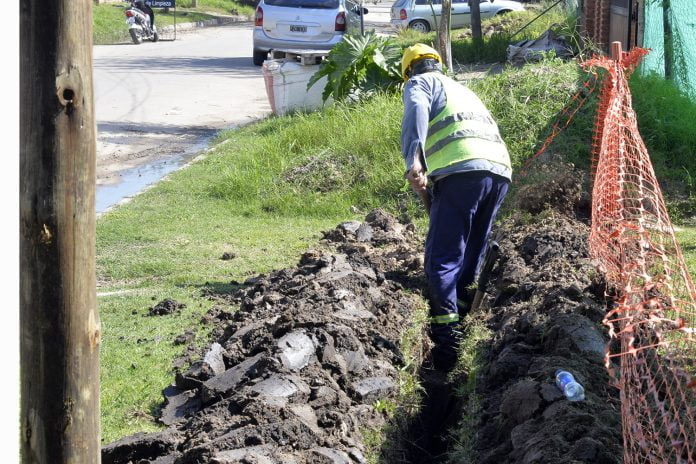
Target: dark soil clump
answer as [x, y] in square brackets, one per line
[293, 376]
[165, 307]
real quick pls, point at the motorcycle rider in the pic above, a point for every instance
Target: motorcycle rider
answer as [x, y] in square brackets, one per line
[145, 8]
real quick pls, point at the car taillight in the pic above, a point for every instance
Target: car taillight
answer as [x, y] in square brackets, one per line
[259, 17]
[341, 21]
[129, 13]
[402, 14]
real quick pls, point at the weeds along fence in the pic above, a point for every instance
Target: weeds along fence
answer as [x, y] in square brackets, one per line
[653, 321]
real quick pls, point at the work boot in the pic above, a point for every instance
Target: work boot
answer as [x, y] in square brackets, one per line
[464, 299]
[446, 340]
[444, 357]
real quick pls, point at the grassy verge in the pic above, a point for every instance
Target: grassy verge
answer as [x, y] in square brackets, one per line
[664, 115]
[109, 21]
[686, 236]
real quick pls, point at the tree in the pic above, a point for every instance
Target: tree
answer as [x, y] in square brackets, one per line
[444, 40]
[476, 32]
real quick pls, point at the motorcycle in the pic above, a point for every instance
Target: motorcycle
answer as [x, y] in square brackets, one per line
[139, 25]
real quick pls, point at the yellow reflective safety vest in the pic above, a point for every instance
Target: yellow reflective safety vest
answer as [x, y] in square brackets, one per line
[463, 130]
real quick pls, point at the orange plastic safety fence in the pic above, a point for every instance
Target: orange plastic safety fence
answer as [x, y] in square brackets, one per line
[653, 322]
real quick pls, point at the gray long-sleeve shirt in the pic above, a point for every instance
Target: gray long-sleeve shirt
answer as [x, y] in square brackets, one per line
[424, 97]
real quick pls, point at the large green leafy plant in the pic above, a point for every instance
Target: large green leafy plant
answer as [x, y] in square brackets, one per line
[358, 66]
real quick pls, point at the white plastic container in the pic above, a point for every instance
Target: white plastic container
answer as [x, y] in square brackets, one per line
[286, 86]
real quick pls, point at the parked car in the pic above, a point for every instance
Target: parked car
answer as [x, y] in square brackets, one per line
[418, 15]
[303, 25]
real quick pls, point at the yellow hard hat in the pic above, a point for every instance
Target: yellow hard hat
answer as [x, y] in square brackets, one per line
[415, 53]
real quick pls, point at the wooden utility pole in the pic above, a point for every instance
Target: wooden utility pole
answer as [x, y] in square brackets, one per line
[444, 39]
[59, 322]
[476, 32]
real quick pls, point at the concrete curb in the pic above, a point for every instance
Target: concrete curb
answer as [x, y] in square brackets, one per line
[219, 21]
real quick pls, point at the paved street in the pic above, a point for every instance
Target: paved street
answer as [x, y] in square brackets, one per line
[158, 104]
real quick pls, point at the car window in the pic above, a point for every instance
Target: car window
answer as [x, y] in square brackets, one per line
[304, 3]
[400, 3]
[427, 2]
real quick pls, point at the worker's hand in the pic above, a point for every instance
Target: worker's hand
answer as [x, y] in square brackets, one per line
[416, 176]
[417, 179]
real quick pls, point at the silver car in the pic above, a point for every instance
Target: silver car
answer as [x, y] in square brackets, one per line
[303, 25]
[418, 15]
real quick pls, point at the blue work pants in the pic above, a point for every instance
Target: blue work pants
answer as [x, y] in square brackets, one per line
[463, 210]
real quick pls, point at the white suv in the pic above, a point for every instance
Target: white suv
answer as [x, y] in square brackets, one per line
[303, 25]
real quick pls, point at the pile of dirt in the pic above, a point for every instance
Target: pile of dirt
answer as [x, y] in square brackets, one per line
[546, 306]
[293, 376]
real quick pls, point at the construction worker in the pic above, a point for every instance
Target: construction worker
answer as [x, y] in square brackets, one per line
[452, 148]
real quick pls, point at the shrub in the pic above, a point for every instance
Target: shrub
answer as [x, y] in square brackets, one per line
[359, 66]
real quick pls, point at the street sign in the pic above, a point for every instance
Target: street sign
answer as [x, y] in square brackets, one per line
[162, 3]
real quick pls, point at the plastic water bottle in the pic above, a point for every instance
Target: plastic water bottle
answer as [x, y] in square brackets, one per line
[568, 385]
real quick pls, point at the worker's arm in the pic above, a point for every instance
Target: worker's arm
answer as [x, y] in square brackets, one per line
[418, 97]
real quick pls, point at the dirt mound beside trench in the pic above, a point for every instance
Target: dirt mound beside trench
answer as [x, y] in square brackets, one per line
[294, 374]
[545, 310]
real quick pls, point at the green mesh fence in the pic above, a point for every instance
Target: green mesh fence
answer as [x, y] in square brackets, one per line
[670, 31]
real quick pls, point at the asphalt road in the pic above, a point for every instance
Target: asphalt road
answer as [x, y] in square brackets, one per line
[149, 96]
[159, 104]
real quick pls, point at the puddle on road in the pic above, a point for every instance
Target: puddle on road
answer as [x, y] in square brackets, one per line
[135, 180]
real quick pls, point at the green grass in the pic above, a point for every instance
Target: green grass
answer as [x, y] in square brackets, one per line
[686, 236]
[665, 119]
[472, 358]
[109, 21]
[316, 164]
[218, 6]
[133, 346]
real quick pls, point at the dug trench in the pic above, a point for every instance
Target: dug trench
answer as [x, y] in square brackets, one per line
[305, 358]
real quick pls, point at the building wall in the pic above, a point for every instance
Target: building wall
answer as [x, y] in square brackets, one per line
[604, 21]
[595, 21]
